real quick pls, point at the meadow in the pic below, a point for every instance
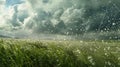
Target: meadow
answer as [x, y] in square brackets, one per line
[56, 53]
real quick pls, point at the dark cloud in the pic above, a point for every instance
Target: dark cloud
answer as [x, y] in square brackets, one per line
[78, 16]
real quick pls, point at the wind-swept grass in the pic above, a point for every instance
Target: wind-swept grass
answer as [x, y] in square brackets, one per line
[31, 53]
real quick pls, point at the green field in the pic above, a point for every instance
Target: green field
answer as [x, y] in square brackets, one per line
[49, 53]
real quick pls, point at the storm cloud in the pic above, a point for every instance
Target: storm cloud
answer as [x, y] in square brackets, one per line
[68, 17]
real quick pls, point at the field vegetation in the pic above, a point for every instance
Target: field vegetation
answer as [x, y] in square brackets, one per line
[51, 53]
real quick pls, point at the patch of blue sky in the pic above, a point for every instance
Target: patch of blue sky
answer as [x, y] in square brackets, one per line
[13, 2]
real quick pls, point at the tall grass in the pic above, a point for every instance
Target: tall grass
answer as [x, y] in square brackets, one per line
[31, 53]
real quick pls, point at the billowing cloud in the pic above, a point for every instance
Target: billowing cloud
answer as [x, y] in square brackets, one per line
[60, 16]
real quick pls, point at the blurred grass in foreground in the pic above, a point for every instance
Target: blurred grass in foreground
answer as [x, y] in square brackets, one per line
[33, 53]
